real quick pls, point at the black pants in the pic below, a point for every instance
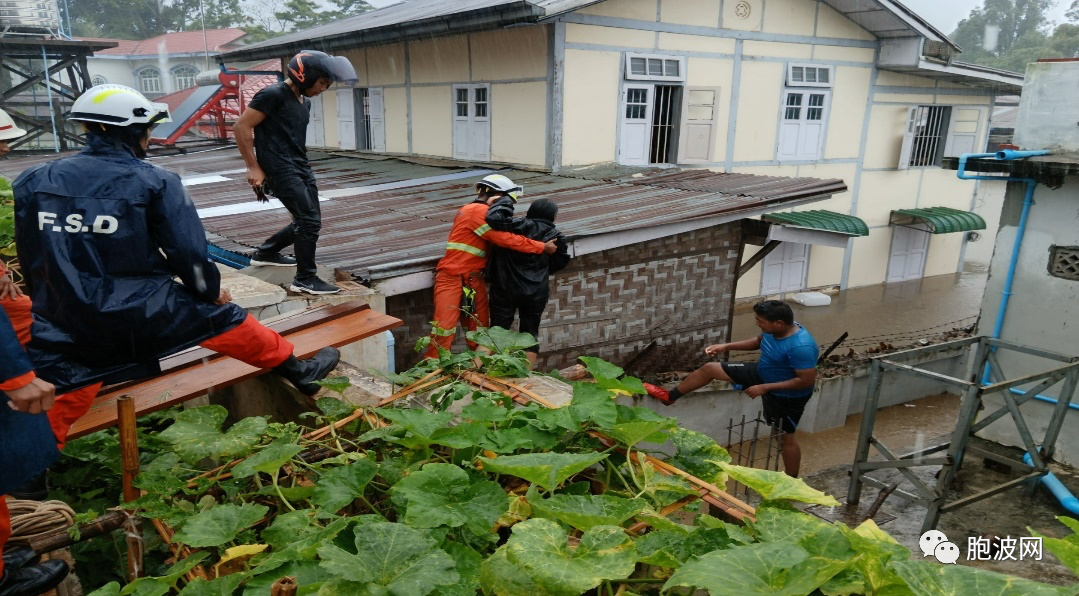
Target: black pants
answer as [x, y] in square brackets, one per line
[300, 196]
[784, 412]
[505, 304]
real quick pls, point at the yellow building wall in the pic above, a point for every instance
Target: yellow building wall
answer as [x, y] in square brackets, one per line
[840, 202]
[750, 282]
[845, 54]
[774, 49]
[396, 120]
[895, 79]
[519, 123]
[792, 17]
[678, 41]
[880, 192]
[329, 118]
[825, 266]
[439, 60]
[737, 18]
[641, 10]
[590, 107]
[943, 257]
[758, 111]
[610, 36]
[358, 59]
[386, 65]
[833, 24]
[690, 12]
[847, 115]
[869, 257]
[508, 54]
[432, 120]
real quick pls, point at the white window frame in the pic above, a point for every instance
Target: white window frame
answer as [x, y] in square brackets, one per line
[143, 79]
[473, 120]
[950, 129]
[680, 61]
[783, 127]
[792, 82]
[175, 72]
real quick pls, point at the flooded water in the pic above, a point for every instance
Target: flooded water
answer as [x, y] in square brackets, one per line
[892, 313]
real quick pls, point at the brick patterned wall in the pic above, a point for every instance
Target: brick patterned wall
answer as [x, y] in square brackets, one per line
[676, 290]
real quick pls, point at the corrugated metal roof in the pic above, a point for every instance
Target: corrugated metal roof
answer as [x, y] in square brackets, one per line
[820, 219]
[387, 232]
[940, 220]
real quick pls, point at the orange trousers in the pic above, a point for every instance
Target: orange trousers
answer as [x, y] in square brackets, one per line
[449, 290]
[250, 342]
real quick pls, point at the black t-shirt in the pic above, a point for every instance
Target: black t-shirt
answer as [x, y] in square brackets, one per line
[281, 138]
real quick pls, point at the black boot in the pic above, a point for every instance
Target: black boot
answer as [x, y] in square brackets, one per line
[303, 373]
[19, 557]
[35, 490]
[34, 580]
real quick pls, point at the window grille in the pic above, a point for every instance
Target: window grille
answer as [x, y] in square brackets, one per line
[929, 124]
[1064, 262]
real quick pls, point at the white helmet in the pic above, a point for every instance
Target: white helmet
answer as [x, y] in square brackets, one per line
[117, 105]
[502, 184]
[8, 130]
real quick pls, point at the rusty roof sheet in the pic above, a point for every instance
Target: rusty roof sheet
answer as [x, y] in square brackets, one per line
[386, 226]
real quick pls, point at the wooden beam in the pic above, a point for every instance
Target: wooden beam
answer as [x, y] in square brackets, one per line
[757, 258]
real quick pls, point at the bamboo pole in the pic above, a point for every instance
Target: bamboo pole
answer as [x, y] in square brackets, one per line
[62, 539]
[129, 462]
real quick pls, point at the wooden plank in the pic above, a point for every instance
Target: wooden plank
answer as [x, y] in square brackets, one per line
[179, 386]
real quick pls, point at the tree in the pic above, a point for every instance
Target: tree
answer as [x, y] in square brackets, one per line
[189, 15]
[1022, 34]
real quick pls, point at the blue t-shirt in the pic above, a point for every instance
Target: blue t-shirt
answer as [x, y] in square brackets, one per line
[781, 357]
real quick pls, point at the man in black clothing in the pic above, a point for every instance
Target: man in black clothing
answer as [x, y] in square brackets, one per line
[520, 281]
[277, 157]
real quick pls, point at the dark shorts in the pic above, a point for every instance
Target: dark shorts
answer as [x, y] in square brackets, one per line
[784, 412]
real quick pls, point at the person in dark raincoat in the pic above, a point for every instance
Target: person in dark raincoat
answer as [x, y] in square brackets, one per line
[520, 281]
[100, 237]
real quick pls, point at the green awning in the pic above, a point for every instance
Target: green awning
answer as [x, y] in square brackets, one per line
[939, 220]
[829, 221]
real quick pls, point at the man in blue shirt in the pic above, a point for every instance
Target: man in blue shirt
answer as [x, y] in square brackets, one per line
[784, 376]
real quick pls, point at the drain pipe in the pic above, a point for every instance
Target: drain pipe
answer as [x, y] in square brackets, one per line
[1055, 486]
[1028, 200]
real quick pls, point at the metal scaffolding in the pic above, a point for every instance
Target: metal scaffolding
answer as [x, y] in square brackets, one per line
[39, 80]
[935, 498]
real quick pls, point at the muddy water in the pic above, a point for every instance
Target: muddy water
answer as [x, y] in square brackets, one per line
[898, 310]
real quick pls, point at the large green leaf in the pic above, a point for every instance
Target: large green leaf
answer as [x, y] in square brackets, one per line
[592, 402]
[777, 485]
[548, 470]
[420, 424]
[500, 577]
[196, 434]
[304, 548]
[340, 486]
[817, 536]
[392, 558]
[508, 440]
[631, 433]
[485, 409]
[444, 495]
[699, 455]
[587, 512]
[468, 563]
[785, 569]
[222, 586]
[540, 547]
[935, 579]
[876, 549]
[289, 528]
[1066, 549]
[671, 547]
[220, 525]
[309, 576]
[501, 341]
[601, 369]
[268, 460]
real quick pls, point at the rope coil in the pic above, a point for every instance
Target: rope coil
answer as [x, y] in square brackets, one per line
[30, 519]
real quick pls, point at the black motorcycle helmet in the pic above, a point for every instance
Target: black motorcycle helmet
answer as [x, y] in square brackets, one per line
[305, 69]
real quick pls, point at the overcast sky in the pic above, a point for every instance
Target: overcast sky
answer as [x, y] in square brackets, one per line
[943, 14]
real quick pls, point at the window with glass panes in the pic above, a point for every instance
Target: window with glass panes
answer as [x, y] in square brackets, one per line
[642, 67]
[803, 112]
[150, 80]
[184, 77]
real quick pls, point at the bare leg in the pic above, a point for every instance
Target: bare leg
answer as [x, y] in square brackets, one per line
[792, 455]
[713, 371]
[531, 359]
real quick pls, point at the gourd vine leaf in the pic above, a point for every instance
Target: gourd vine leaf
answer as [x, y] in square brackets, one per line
[547, 470]
[331, 407]
[673, 547]
[1065, 549]
[777, 485]
[500, 577]
[587, 512]
[444, 495]
[485, 409]
[937, 579]
[222, 586]
[539, 546]
[308, 573]
[817, 536]
[392, 558]
[699, 455]
[420, 424]
[196, 434]
[601, 369]
[764, 568]
[220, 525]
[268, 460]
[875, 550]
[631, 433]
[153, 586]
[592, 402]
[501, 341]
[304, 547]
[468, 563]
[337, 487]
[288, 528]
